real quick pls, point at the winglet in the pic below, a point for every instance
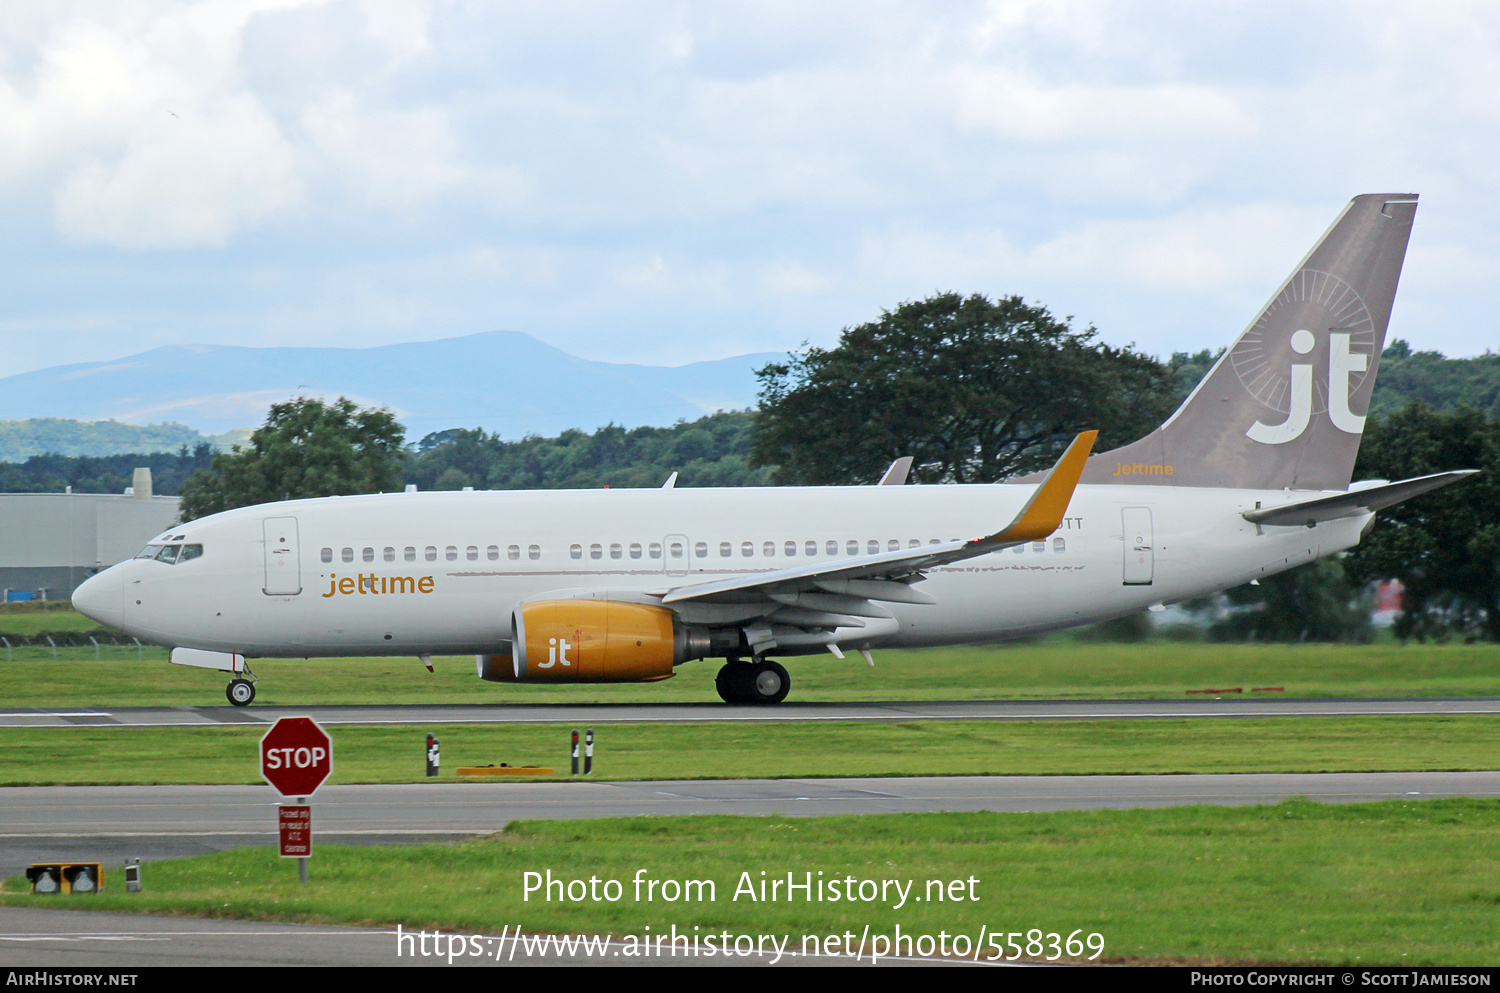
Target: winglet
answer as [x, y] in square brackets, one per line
[897, 473]
[1044, 512]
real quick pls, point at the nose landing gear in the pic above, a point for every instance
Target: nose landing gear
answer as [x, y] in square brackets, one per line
[761, 682]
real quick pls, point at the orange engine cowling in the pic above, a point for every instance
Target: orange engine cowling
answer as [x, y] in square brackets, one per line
[598, 641]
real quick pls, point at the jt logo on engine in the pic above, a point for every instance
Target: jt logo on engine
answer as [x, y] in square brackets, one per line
[557, 651]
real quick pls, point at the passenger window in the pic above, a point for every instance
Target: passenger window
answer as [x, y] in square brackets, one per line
[492, 553]
[831, 548]
[430, 553]
[701, 550]
[472, 553]
[789, 549]
[168, 554]
[768, 549]
[635, 549]
[725, 549]
[615, 551]
[914, 543]
[513, 552]
[873, 547]
[196, 551]
[894, 545]
[327, 553]
[369, 555]
[390, 554]
[1059, 545]
[596, 551]
[575, 551]
[655, 550]
[812, 548]
[1038, 546]
[348, 555]
[410, 554]
[747, 549]
[1019, 549]
[533, 551]
[451, 553]
[676, 549]
[851, 548]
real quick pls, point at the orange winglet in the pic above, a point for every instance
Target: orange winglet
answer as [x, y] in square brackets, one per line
[1044, 512]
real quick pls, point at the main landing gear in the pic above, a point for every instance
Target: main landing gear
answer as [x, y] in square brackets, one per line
[241, 691]
[763, 681]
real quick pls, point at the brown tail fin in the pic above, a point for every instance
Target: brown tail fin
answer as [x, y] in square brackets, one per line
[1284, 407]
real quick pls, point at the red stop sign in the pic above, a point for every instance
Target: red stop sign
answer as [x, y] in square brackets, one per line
[296, 756]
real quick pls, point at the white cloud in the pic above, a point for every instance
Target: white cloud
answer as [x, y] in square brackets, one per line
[652, 179]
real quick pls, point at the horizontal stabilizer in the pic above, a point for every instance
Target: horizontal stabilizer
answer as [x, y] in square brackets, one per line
[1306, 513]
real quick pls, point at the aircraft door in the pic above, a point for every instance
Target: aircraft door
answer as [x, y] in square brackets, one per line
[283, 559]
[676, 560]
[1140, 554]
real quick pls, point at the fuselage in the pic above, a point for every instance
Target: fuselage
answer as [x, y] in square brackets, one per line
[441, 572]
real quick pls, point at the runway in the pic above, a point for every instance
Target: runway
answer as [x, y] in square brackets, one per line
[433, 715]
[112, 823]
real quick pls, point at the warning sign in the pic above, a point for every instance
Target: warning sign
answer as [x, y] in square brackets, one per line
[296, 830]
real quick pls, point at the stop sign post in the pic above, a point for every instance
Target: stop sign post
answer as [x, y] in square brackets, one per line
[296, 756]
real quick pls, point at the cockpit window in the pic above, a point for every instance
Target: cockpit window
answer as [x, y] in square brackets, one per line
[171, 554]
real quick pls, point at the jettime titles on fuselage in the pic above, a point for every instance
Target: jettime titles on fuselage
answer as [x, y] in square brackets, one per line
[372, 584]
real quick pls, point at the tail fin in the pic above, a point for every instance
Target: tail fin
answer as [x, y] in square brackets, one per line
[1284, 407]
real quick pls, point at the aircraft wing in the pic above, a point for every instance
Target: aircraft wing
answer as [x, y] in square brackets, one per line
[1368, 499]
[841, 591]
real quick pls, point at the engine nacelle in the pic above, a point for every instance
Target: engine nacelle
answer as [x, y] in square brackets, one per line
[596, 641]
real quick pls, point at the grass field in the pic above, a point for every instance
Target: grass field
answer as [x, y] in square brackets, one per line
[73, 756]
[1399, 883]
[1055, 668]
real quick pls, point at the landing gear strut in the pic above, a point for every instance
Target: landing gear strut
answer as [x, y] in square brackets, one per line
[762, 682]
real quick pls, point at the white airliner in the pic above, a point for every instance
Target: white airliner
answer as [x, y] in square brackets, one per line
[1249, 477]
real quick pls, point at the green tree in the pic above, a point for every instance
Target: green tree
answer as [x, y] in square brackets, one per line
[306, 448]
[1443, 546]
[711, 451]
[974, 390]
[1314, 602]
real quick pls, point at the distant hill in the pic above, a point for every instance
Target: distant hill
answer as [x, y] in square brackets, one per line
[19, 440]
[506, 382]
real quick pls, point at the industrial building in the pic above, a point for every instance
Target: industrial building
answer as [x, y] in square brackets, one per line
[52, 542]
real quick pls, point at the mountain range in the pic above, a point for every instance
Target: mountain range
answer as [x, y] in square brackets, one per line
[506, 382]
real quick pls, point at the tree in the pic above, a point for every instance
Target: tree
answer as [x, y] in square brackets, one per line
[1443, 546]
[306, 448]
[1313, 602]
[975, 391]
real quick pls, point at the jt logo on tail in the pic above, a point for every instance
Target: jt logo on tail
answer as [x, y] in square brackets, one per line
[1341, 364]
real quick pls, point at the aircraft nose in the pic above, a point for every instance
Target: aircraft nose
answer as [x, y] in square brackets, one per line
[102, 597]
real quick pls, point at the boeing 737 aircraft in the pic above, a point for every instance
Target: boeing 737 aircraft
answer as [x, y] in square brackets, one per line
[1249, 477]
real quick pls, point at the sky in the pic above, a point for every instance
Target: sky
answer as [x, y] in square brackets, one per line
[668, 182]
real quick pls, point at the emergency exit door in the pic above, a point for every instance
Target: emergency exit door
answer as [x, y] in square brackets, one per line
[1140, 554]
[283, 561]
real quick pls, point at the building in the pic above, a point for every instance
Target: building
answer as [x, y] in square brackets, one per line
[52, 542]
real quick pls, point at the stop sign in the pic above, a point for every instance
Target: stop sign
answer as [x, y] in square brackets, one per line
[296, 756]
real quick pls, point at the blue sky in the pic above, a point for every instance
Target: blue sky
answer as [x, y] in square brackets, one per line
[671, 182]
